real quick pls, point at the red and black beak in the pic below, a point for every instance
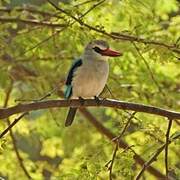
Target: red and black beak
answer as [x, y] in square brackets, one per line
[111, 53]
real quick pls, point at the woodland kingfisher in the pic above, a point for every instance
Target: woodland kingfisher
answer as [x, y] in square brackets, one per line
[88, 75]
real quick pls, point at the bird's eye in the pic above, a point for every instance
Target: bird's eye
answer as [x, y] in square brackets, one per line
[97, 49]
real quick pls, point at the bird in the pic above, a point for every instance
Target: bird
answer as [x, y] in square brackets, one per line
[88, 75]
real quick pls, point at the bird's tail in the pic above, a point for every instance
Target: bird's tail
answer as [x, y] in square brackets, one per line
[70, 116]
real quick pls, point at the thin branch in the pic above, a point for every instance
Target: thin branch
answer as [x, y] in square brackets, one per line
[83, 3]
[8, 92]
[130, 38]
[12, 124]
[177, 122]
[104, 131]
[110, 168]
[150, 71]
[116, 35]
[40, 99]
[125, 127]
[73, 17]
[112, 96]
[154, 157]
[18, 155]
[117, 140]
[50, 58]
[20, 160]
[6, 112]
[64, 12]
[40, 43]
[30, 10]
[93, 7]
[166, 147]
[31, 22]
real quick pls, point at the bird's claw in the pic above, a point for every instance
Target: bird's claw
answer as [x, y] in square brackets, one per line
[81, 101]
[98, 101]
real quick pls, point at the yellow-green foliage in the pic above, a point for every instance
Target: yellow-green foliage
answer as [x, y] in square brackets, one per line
[36, 60]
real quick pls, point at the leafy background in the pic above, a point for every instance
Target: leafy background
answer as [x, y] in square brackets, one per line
[35, 57]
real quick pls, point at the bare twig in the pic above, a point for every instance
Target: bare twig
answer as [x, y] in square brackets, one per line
[83, 3]
[64, 12]
[125, 127]
[18, 154]
[117, 140]
[150, 71]
[30, 10]
[47, 95]
[12, 124]
[73, 17]
[93, 7]
[42, 42]
[40, 99]
[110, 168]
[112, 96]
[31, 22]
[6, 112]
[20, 160]
[177, 122]
[166, 147]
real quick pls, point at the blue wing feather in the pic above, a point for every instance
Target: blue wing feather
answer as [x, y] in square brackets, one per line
[68, 90]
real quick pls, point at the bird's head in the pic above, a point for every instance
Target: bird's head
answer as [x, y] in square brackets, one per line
[99, 50]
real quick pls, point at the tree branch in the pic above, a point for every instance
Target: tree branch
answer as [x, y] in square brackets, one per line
[166, 147]
[29, 10]
[6, 112]
[20, 160]
[83, 3]
[12, 124]
[93, 7]
[31, 22]
[150, 71]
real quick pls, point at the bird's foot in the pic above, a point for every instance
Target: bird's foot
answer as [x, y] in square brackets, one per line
[81, 101]
[98, 101]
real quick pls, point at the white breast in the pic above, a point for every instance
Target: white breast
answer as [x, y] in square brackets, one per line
[90, 79]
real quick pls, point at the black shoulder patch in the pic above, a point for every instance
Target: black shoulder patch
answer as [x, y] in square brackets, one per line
[73, 68]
